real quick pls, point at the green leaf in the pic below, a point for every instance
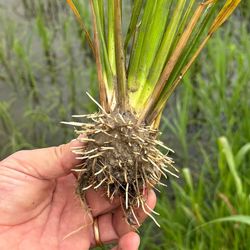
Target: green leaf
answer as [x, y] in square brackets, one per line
[153, 107]
[79, 19]
[98, 8]
[136, 51]
[170, 65]
[244, 219]
[223, 15]
[169, 38]
[184, 58]
[154, 40]
[242, 154]
[111, 36]
[138, 4]
[226, 150]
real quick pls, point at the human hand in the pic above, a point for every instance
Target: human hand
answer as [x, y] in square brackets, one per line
[39, 208]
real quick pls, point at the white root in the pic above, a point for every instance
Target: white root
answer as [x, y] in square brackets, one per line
[163, 184]
[107, 148]
[100, 107]
[150, 215]
[151, 210]
[77, 148]
[83, 139]
[166, 170]
[76, 124]
[74, 232]
[86, 188]
[122, 118]
[125, 176]
[138, 223]
[144, 159]
[158, 168]
[126, 200]
[138, 202]
[79, 170]
[84, 152]
[97, 186]
[101, 170]
[108, 191]
[163, 146]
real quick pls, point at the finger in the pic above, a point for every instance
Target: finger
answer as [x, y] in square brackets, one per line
[106, 230]
[129, 241]
[99, 203]
[113, 225]
[119, 221]
[45, 163]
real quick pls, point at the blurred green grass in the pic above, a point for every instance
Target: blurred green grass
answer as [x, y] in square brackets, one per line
[45, 69]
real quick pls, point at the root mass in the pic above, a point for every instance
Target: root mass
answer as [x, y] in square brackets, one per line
[120, 158]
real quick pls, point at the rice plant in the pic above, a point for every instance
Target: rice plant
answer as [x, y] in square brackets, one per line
[137, 72]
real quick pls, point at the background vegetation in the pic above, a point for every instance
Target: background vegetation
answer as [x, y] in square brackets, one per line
[45, 69]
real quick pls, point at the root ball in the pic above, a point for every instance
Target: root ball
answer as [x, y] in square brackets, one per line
[120, 158]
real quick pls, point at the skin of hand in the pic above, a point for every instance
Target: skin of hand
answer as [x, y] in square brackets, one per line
[40, 210]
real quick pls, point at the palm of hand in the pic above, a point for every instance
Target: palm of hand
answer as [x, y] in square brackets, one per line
[39, 208]
[42, 215]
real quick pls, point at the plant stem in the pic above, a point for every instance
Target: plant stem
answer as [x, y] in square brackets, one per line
[98, 9]
[136, 52]
[162, 54]
[111, 36]
[121, 88]
[133, 21]
[220, 19]
[102, 89]
[171, 63]
[152, 41]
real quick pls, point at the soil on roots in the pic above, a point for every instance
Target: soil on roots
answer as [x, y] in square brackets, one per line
[121, 158]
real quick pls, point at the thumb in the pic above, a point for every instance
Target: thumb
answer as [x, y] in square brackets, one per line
[45, 163]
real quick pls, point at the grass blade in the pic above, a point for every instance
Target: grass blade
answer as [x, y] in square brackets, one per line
[224, 14]
[220, 19]
[242, 154]
[79, 19]
[172, 62]
[136, 52]
[163, 52]
[226, 150]
[152, 41]
[244, 219]
[179, 70]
